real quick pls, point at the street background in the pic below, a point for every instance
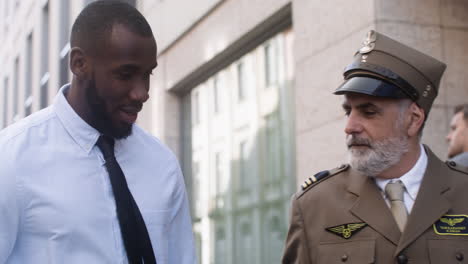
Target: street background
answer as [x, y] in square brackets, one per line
[242, 94]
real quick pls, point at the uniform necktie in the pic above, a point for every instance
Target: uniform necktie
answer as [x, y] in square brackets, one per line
[394, 192]
[132, 226]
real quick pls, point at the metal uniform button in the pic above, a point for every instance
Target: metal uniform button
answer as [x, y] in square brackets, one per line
[344, 258]
[459, 256]
[402, 259]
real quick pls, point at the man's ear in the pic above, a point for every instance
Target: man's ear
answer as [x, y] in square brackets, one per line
[79, 63]
[417, 116]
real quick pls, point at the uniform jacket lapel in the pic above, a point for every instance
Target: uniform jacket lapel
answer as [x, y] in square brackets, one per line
[371, 208]
[430, 203]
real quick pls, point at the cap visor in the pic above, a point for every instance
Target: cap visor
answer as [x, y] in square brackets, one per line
[370, 86]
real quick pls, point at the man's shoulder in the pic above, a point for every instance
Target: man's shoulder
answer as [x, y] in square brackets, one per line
[26, 127]
[457, 167]
[461, 159]
[151, 143]
[322, 180]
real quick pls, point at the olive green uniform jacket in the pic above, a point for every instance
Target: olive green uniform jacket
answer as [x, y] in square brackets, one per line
[361, 227]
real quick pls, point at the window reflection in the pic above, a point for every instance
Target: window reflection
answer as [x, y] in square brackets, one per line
[238, 156]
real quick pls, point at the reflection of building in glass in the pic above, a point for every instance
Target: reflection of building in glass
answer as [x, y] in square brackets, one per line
[242, 156]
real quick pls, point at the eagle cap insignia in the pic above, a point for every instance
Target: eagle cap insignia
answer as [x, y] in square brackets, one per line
[369, 42]
[346, 231]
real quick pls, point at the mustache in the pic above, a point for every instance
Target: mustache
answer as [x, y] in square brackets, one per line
[358, 141]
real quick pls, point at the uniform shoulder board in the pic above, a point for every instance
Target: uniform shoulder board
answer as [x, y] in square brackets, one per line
[454, 166]
[322, 175]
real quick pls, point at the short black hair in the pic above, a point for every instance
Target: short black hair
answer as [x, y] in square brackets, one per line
[95, 22]
[462, 108]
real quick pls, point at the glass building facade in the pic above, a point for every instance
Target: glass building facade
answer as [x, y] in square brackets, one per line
[239, 157]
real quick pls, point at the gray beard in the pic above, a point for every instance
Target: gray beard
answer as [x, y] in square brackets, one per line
[380, 156]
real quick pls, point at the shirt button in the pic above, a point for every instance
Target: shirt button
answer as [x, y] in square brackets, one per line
[459, 256]
[402, 259]
[344, 258]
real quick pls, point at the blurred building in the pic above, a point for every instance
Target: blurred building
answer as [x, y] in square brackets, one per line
[242, 94]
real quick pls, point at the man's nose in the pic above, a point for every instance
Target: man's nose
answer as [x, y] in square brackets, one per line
[353, 125]
[140, 92]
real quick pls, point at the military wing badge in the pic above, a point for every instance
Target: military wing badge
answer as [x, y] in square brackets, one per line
[346, 230]
[455, 225]
[451, 221]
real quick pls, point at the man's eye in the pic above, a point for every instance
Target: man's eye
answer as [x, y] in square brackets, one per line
[370, 113]
[124, 76]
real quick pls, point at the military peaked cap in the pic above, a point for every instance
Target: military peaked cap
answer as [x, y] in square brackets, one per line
[387, 68]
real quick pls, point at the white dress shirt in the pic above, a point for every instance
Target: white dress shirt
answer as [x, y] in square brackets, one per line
[412, 181]
[56, 201]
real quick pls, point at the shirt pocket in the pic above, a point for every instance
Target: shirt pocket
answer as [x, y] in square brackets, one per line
[157, 224]
[448, 250]
[349, 252]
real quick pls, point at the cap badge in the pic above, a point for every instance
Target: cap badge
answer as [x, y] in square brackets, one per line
[369, 42]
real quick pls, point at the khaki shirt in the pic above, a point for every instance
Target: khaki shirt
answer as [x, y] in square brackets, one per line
[344, 219]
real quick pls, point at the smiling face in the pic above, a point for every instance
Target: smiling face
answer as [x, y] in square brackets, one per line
[118, 84]
[376, 132]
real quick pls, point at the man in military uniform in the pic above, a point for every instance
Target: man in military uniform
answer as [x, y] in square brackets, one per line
[396, 202]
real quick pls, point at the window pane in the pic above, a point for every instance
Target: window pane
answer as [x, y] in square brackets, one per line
[16, 90]
[44, 82]
[196, 108]
[241, 81]
[243, 166]
[216, 94]
[5, 102]
[246, 155]
[64, 38]
[271, 73]
[28, 77]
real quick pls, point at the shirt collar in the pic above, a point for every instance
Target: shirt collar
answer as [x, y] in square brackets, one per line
[413, 178]
[81, 132]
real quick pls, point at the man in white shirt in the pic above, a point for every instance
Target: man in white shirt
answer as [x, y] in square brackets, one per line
[396, 202]
[79, 181]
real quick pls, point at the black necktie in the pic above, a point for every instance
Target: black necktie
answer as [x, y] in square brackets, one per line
[134, 234]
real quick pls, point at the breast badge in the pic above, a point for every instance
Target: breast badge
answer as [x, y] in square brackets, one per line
[455, 225]
[347, 230]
